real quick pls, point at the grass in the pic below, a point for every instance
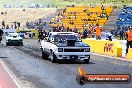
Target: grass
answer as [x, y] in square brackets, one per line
[17, 14]
[62, 3]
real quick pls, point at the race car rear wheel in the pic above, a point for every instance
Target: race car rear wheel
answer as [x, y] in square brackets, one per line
[86, 61]
[53, 57]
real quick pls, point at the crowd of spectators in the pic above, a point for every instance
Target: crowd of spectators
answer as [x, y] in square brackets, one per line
[84, 34]
[15, 25]
[36, 25]
[73, 15]
[125, 16]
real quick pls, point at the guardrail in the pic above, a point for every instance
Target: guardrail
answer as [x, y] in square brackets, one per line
[104, 47]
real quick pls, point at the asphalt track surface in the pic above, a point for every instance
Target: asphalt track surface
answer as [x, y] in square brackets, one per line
[33, 72]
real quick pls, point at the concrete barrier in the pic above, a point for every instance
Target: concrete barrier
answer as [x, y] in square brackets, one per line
[104, 47]
[129, 54]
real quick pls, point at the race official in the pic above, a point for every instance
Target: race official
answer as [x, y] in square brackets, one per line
[40, 36]
[128, 35]
[98, 30]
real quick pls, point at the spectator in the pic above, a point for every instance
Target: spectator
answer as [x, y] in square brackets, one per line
[64, 10]
[1, 34]
[67, 5]
[75, 30]
[124, 7]
[128, 35]
[67, 29]
[62, 27]
[85, 10]
[72, 5]
[102, 7]
[85, 33]
[70, 30]
[54, 29]
[3, 24]
[40, 36]
[7, 26]
[27, 24]
[15, 25]
[118, 28]
[23, 10]
[112, 32]
[48, 6]
[71, 22]
[98, 30]
[11, 26]
[75, 16]
[52, 6]
[121, 35]
[44, 23]
[115, 33]
[40, 21]
[18, 24]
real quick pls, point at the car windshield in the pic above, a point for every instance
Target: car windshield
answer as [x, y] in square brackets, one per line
[64, 37]
[12, 35]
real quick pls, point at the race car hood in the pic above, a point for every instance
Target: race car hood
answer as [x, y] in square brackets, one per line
[77, 44]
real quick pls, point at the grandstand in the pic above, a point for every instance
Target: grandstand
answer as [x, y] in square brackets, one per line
[125, 17]
[82, 17]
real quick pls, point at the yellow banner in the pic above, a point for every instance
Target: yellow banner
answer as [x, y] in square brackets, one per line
[104, 47]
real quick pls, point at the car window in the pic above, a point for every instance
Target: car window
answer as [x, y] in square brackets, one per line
[11, 35]
[49, 37]
[65, 37]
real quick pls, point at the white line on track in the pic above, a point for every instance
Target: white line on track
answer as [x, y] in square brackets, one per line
[119, 58]
[17, 82]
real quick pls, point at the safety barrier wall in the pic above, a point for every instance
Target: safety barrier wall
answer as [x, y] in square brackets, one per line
[104, 47]
[129, 55]
[32, 31]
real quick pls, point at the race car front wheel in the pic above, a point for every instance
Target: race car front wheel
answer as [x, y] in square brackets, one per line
[7, 44]
[87, 60]
[53, 57]
[21, 44]
[44, 55]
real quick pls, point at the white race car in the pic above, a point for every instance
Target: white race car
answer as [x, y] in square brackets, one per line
[65, 45]
[14, 39]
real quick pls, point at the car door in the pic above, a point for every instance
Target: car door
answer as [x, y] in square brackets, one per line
[48, 43]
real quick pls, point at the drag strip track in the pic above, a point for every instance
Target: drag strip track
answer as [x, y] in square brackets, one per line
[36, 52]
[44, 74]
[111, 65]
